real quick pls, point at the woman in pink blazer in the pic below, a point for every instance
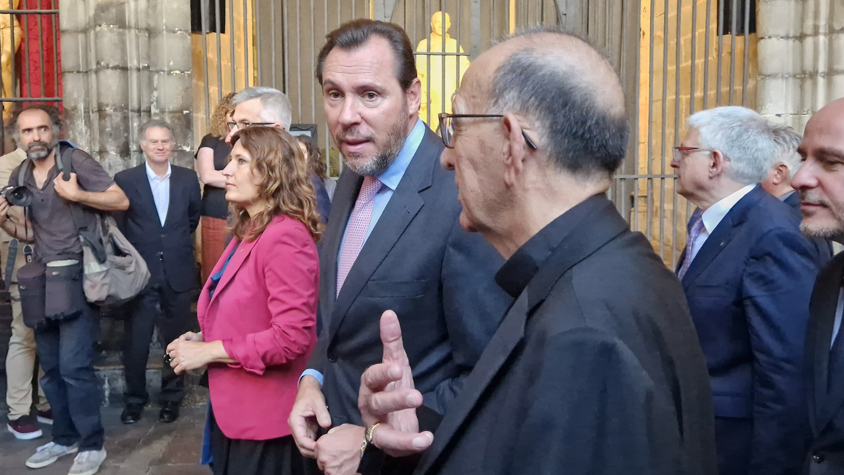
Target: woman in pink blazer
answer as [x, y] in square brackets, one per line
[257, 312]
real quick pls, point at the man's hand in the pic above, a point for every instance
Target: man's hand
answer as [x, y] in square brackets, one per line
[309, 413]
[69, 189]
[338, 451]
[4, 209]
[388, 396]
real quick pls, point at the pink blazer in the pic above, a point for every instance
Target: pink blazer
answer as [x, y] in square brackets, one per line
[264, 311]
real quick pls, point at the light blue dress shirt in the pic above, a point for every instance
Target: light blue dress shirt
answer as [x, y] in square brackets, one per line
[390, 178]
[160, 191]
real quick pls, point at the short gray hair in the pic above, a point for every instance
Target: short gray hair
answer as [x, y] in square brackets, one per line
[276, 105]
[154, 124]
[786, 142]
[582, 136]
[741, 135]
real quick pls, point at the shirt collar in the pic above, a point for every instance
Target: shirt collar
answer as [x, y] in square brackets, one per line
[787, 195]
[523, 265]
[394, 173]
[151, 174]
[715, 213]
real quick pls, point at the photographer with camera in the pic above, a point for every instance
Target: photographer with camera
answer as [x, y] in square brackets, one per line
[64, 342]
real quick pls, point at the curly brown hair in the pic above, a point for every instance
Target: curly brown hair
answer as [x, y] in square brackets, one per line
[284, 185]
[218, 127]
[315, 164]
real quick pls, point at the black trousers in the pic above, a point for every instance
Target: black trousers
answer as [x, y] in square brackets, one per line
[158, 305]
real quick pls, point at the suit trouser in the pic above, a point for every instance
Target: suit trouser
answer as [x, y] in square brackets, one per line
[66, 351]
[158, 305]
[20, 364]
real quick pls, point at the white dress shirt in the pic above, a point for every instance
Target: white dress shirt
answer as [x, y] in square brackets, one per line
[715, 213]
[160, 187]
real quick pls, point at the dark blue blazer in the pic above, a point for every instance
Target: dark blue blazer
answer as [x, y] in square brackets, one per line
[748, 290]
[170, 246]
[823, 248]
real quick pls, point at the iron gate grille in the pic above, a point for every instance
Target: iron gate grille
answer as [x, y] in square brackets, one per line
[675, 57]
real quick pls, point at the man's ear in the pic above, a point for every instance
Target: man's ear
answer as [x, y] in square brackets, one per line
[279, 126]
[413, 95]
[516, 149]
[781, 174]
[718, 163]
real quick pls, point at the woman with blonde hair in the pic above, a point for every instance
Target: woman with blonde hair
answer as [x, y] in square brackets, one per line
[257, 311]
[211, 158]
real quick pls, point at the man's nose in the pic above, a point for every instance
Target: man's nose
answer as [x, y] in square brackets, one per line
[349, 114]
[446, 159]
[804, 178]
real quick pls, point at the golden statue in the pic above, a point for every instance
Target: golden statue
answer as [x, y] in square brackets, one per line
[443, 73]
[8, 23]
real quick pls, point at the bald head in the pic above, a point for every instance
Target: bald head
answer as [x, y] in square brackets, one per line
[567, 91]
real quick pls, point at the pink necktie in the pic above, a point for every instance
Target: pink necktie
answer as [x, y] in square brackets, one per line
[356, 230]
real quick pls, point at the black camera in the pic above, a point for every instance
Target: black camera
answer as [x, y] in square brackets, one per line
[17, 195]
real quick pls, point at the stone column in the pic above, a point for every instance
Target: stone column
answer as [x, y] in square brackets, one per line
[801, 58]
[124, 62]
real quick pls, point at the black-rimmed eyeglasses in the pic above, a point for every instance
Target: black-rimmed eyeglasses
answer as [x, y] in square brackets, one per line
[447, 127]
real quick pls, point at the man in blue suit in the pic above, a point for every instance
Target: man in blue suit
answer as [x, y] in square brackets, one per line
[747, 272]
[785, 163]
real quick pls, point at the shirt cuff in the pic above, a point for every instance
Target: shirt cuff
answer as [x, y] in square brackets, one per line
[314, 373]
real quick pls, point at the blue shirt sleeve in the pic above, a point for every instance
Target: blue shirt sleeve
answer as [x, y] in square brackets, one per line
[316, 374]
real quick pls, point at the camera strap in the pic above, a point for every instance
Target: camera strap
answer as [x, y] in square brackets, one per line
[93, 239]
[10, 264]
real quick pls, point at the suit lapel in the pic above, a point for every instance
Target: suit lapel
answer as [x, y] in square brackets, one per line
[239, 257]
[400, 211]
[593, 231]
[507, 337]
[145, 191]
[823, 305]
[721, 236]
[348, 187]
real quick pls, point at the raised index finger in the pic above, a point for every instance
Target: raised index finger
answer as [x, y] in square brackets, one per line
[392, 340]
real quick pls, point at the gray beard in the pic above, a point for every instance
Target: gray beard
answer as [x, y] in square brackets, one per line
[40, 155]
[384, 158]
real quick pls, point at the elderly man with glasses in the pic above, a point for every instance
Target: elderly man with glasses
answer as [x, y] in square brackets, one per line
[259, 106]
[747, 271]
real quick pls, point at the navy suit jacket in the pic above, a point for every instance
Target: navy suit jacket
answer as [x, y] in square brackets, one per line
[322, 200]
[419, 262]
[823, 248]
[170, 246]
[748, 290]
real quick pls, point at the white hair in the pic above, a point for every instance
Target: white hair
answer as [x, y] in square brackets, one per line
[276, 106]
[741, 135]
[786, 141]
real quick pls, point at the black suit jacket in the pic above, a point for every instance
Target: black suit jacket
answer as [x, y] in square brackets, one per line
[419, 262]
[170, 246]
[596, 369]
[823, 248]
[826, 409]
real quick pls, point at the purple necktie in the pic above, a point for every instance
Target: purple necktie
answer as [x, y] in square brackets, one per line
[356, 230]
[694, 232]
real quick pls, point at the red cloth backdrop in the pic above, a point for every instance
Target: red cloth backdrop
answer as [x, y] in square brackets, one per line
[38, 55]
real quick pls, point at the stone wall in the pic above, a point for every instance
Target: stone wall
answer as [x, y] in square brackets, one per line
[801, 58]
[124, 62]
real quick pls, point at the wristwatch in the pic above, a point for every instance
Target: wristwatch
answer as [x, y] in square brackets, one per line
[371, 457]
[367, 438]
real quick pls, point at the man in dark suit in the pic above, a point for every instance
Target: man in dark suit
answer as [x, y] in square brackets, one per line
[820, 182]
[786, 162]
[260, 105]
[393, 242]
[163, 213]
[596, 368]
[747, 271]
